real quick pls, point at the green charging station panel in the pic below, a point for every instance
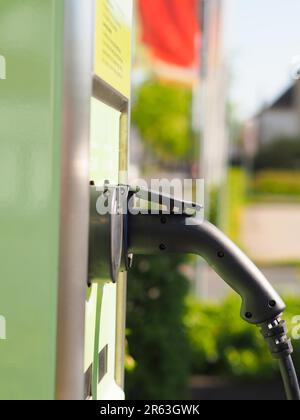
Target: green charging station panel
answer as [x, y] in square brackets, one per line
[64, 105]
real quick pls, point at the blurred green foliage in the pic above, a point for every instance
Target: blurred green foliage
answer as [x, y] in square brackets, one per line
[278, 183]
[235, 201]
[214, 204]
[284, 153]
[172, 337]
[157, 337]
[162, 114]
[223, 344]
[227, 202]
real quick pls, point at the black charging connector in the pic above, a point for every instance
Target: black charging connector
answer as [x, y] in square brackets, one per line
[123, 232]
[276, 336]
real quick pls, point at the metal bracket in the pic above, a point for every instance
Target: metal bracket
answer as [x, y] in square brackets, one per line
[108, 205]
[167, 203]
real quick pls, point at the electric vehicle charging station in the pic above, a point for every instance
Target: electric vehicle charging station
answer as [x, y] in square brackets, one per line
[64, 104]
[64, 124]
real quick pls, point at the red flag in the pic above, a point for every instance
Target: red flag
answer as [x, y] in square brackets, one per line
[171, 29]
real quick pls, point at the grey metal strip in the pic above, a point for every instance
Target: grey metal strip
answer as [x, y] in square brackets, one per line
[103, 360]
[88, 380]
[74, 222]
[108, 95]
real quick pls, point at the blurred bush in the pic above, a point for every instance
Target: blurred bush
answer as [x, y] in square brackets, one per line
[223, 344]
[214, 204]
[277, 183]
[283, 153]
[234, 202]
[157, 337]
[172, 337]
[162, 114]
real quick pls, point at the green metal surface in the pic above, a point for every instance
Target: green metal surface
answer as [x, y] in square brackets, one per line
[31, 40]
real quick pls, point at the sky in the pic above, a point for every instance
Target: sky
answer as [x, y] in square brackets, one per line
[261, 42]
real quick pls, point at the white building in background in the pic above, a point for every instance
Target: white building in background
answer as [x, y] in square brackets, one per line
[281, 119]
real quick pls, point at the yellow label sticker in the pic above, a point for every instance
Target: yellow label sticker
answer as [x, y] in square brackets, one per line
[113, 43]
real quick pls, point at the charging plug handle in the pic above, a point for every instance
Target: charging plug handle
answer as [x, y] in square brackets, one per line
[261, 305]
[160, 234]
[115, 233]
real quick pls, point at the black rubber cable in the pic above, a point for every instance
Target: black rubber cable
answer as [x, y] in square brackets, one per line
[289, 377]
[276, 335]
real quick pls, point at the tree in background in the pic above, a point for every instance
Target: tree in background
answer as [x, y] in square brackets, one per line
[162, 115]
[157, 337]
[283, 153]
